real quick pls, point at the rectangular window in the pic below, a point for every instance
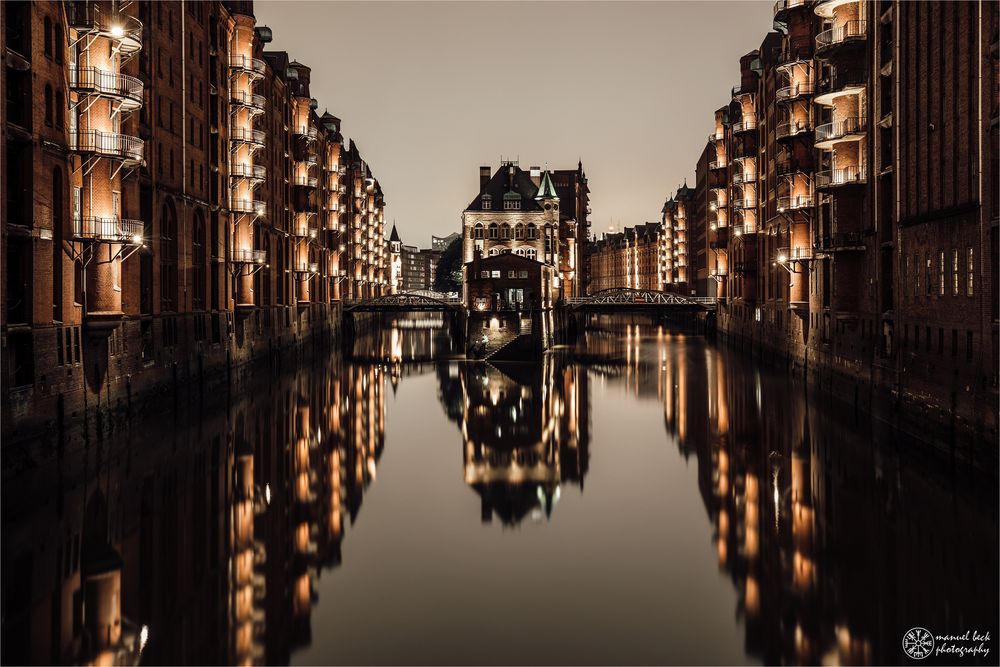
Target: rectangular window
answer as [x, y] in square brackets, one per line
[927, 272]
[954, 271]
[969, 270]
[494, 274]
[941, 273]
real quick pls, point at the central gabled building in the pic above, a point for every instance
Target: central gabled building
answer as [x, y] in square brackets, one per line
[521, 212]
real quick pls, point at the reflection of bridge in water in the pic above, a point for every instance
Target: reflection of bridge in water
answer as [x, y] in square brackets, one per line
[630, 299]
[416, 301]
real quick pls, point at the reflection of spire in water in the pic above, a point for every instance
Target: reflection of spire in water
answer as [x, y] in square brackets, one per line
[523, 437]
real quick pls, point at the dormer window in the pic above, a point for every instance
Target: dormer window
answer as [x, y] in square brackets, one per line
[511, 201]
[487, 201]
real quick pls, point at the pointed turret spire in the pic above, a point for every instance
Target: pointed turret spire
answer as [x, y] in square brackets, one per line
[394, 235]
[546, 190]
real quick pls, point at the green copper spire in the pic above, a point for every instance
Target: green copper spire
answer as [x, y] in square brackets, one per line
[546, 190]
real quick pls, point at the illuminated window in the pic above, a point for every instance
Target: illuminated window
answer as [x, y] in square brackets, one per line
[941, 273]
[927, 271]
[968, 279]
[954, 271]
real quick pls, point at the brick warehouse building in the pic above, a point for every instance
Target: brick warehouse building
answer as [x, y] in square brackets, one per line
[173, 202]
[633, 258]
[853, 193]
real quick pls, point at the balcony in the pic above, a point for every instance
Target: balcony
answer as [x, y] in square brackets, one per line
[253, 172]
[252, 101]
[94, 81]
[848, 129]
[305, 181]
[839, 84]
[795, 203]
[720, 163]
[790, 168]
[124, 30]
[745, 267]
[845, 176]
[852, 32]
[248, 256]
[745, 125]
[783, 6]
[246, 65]
[841, 242]
[307, 267]
[793, 255]
[791, 129]
[793, 92]
[249, 206]
[305, 230]
[739, 91]
[108, 230]
[308, 132]
[716, 136]
[745, 203]
[744, 229]
[254, 138]
[108, 144]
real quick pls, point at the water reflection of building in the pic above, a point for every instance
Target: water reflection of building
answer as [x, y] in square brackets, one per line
[525, 432]
[834, 546]
[202, 546]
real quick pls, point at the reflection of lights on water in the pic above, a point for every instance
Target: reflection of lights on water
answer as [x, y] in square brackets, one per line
[143, 637]
[267, 493]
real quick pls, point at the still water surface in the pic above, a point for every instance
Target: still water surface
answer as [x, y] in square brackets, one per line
[664, 502]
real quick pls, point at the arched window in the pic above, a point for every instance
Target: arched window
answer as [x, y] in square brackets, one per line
[505, 231]
[48, 105]
[532, 231]
[519, 231]
[477, 231]
[168, 257]
[198, 261]
[530, 253]
[494, 251]
[494, 229]
[519, 252]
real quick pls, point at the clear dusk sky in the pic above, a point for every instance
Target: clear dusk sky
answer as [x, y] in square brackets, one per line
[432, 90]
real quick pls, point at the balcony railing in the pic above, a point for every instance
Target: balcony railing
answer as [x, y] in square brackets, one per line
[307, 267]
[739, 91]
[745, 203]
[252, 206]
[108, 144]
[746, 124]
[852, 31]
[745, 267]
[253, 66]
[789, 168]
[841, 241]
[840, 82]
[248, 256]
[718, 164]
[305, 181]
[716, 136]
[841, 129]
[793, 92]
[254, 172]
[794, 203]
[790, 255]
[122, 87]
[306, 131]
[121, 28]
[108, 230]
[241, 135]
[791, 129]
[840, 177]
[251, 101]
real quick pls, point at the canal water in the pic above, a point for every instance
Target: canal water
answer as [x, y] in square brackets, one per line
[648, 497]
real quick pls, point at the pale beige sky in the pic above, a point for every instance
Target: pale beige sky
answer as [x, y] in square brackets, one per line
[430, 91]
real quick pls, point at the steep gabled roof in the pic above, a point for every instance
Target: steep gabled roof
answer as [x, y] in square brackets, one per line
[394, 236]
[497, 187]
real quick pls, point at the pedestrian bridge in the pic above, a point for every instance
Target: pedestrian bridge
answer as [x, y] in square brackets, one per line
[416, 301]
[630, 299]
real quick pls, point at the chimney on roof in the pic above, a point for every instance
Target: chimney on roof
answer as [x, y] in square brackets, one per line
[536, 176]
[510, 176]
[484, 177]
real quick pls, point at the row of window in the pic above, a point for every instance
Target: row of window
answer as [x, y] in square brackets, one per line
[530, 253]
[955, 272]
[510, 274]
[503, 231]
